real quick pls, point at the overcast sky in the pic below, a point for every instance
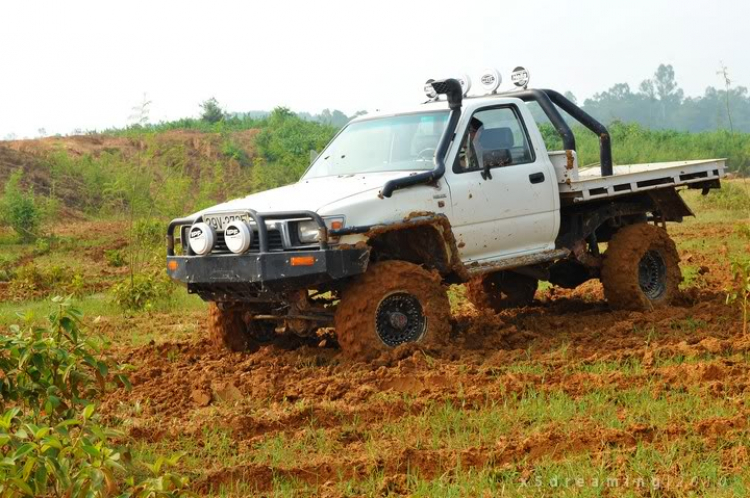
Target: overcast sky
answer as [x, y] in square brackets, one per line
[73, 64]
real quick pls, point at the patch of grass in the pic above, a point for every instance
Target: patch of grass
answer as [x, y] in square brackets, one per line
[691, 277]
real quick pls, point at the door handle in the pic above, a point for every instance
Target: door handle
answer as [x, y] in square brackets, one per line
[536, 177]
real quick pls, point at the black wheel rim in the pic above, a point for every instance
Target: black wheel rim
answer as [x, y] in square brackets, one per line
[399, 319]
[652, 275]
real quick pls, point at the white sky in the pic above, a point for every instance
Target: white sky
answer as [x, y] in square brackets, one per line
[80, 64]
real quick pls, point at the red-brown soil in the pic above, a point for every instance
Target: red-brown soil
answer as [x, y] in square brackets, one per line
[188, 387]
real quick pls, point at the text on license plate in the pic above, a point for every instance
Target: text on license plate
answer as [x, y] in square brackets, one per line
[221, 220]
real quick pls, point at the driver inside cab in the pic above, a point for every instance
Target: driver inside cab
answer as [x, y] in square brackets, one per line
[469, 157]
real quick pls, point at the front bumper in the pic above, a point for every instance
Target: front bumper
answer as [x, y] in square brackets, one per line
[230, 276]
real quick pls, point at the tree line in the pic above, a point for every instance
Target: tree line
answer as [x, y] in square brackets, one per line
[659, 103]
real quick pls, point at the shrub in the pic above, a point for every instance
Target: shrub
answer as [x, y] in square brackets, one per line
[149, 232]
[730, 197]
[31, 280]
[50, 443]
[54, 372]
[115, 258]
[19, 209]
[141, 291]
[739, 291]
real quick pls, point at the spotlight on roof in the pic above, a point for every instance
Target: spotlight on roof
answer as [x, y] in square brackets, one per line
[465, 82]
[520, 77]
[490, 80]
[429, 90]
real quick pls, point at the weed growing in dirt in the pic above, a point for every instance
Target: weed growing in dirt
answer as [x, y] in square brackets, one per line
[50, 443]
[739, 290]
[140, 292]
[730, 197]
[32, 281]
[19, 210]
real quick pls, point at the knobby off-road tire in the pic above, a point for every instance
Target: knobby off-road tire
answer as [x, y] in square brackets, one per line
[501, 290]
[641, 268]
[393, 303]
[232, 329]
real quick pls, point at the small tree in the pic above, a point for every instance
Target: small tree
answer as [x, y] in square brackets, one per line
[19, 210]
[140, 113]
[212, 112]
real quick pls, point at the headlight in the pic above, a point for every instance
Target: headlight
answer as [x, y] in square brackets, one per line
[307, 231]
[202, 239]
[238, 236]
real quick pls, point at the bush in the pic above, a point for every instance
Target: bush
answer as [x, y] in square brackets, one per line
[50, 443]
[31, 280]
[739, 291]
[115, 258]
[149, 232]
[730, 197]
[141, 291]
[19, 209]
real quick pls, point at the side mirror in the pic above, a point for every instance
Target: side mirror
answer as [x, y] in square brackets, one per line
[494, 158]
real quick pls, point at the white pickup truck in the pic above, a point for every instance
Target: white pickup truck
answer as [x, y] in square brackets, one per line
[398, 205]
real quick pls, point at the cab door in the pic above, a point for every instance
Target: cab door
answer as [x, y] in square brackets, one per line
[503, 196]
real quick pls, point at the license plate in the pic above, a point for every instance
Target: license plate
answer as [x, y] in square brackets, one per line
[220, 220]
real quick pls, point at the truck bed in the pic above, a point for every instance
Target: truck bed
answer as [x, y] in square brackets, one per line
[631, 178]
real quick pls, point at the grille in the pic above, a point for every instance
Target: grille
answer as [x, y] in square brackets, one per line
[274, 242]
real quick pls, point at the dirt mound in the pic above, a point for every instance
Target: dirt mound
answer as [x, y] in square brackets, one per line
[35, 173]
[191, 151]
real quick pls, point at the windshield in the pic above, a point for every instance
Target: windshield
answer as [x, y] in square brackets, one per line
[396, 143]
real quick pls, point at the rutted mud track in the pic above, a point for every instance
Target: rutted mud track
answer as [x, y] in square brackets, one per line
[187, 388]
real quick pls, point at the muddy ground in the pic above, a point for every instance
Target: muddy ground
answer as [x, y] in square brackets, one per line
[310, 422]
[562, 397]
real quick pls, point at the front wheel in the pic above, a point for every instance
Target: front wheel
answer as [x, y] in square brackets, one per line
[393, 303]
[641, 268]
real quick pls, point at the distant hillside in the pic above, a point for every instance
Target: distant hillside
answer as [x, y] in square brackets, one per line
[164, 170]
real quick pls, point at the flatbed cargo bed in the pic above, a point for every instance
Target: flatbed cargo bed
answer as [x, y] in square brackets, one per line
[628, 179]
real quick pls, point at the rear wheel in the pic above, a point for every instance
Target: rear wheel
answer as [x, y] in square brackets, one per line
[641, 268]
[233, 328]
[501, 290]
[393, 303]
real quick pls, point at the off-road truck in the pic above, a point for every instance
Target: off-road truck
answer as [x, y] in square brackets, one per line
[400, 205]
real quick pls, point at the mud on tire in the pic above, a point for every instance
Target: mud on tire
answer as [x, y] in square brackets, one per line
[641, 268]
[231, 328]
[384, 308]
[501, 290]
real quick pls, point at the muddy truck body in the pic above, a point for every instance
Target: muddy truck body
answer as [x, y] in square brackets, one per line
[400, 205]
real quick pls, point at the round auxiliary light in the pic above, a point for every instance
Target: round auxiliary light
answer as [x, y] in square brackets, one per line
[465, 84]
[520, 77]
[238, 237]
[490, 80]
[202, 239]
[429, 90]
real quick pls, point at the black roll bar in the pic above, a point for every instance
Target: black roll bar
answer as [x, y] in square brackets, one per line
[605, 141]
[541, 98]
[548, 99]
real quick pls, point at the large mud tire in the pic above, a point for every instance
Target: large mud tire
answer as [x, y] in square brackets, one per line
[361, 327]
[641, 268]
[230, 328]
[501, 290]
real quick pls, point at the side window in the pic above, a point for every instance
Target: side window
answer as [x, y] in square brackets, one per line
[496, 136]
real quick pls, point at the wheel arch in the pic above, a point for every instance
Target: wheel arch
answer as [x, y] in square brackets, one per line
[421, 238]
